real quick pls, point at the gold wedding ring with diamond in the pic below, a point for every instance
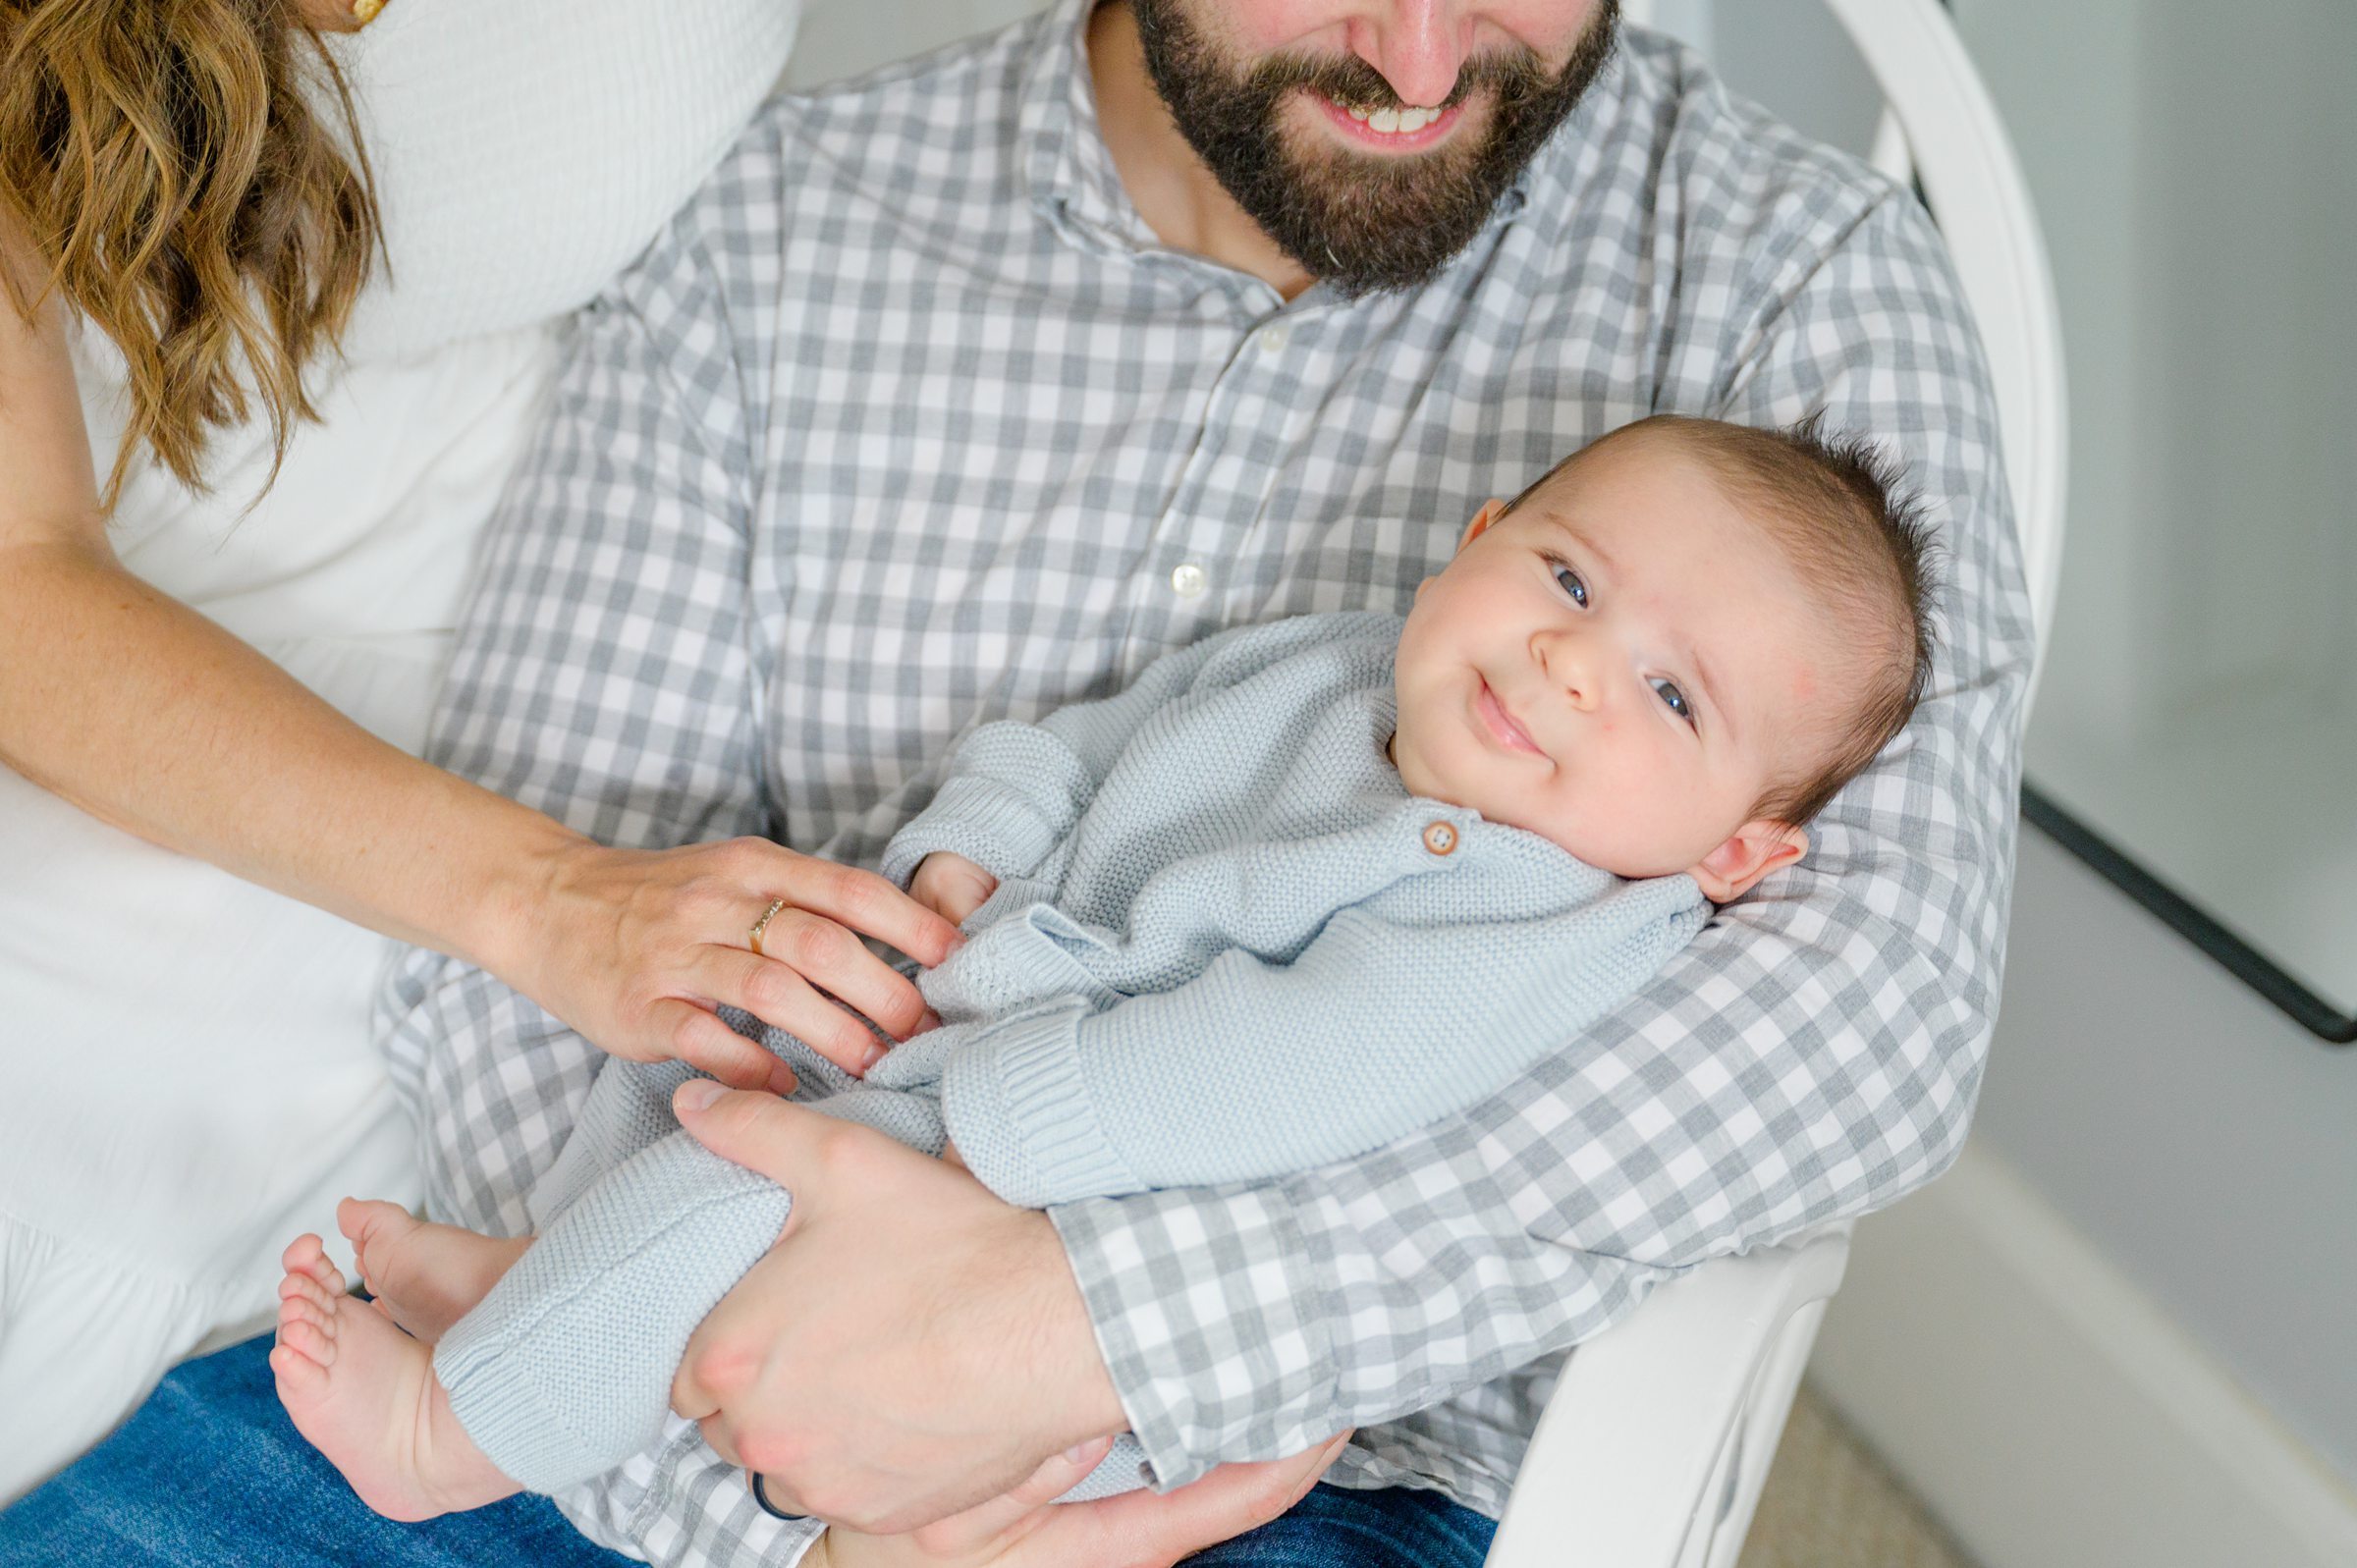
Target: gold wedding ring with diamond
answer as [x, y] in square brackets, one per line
[364, 11]
[761, 925]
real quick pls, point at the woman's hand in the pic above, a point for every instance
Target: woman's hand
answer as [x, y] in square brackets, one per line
[1028, 1528]
[951, 885]
[635, 949]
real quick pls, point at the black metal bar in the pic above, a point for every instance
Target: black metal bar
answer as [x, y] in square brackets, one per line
[2188, 919]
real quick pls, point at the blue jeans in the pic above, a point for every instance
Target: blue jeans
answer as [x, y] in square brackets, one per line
[210, 1473]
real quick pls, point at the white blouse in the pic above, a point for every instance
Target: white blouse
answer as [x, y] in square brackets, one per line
[191, 1075]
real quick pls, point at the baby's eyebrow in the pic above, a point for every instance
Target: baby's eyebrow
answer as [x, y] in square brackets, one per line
[1564, 526]
[1710, 691]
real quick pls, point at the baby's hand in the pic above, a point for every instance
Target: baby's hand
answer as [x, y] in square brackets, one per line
[951, 885]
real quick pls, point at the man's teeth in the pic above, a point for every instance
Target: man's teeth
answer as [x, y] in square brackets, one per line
[1394, 122]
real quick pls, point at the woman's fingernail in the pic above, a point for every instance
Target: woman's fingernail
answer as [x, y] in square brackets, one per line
[875, 1054]
[1078, 1452]
[696, 1094]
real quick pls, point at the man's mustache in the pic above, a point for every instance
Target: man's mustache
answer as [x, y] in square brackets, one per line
[1508, 77]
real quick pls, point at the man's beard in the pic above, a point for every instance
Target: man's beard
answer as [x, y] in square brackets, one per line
[1360, 223]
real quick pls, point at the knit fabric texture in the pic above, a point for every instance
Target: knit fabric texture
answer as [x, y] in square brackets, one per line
[1227, 945]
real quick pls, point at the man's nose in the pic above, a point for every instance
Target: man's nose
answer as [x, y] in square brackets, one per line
[1570, 664]
[1419, 46]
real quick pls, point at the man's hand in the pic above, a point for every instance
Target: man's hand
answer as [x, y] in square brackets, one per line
[910, 1348]
[1025, 1528]
[951, 885]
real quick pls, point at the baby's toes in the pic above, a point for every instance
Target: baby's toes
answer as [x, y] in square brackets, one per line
[370, 1224]
[303, 1332]
[303, 1287]
[306, 1255]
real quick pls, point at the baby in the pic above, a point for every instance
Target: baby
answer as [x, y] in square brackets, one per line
[1301, 890]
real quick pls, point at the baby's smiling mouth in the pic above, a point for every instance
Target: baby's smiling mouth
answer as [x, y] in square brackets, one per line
[1501, 724]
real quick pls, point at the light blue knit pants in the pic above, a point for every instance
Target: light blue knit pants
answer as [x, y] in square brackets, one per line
[564, 1371]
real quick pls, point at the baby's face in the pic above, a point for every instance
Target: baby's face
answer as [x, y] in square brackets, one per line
[1623, 664]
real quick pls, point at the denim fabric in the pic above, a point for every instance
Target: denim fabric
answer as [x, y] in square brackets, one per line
[210, 1473]
[1337, 1528]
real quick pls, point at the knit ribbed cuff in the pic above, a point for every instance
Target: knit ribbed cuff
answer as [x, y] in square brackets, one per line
[1022, 1118]
[513, 1417]
[981, 819]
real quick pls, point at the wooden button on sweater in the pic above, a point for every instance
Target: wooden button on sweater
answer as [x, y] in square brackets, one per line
[1439, 838]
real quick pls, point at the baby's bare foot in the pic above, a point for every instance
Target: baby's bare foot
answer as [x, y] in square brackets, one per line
[426, 1277]
[363, 1393]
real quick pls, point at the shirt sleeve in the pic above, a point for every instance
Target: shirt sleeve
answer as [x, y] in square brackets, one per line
[1813, 1054]
[1257, 1068]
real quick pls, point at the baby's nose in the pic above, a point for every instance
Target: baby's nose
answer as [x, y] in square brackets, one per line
[1570, 663]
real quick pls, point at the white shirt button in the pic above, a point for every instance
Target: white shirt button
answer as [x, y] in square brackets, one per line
[1273, 339]
[1188, 580]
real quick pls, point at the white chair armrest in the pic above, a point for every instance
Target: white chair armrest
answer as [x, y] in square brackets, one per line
[1663, 1407]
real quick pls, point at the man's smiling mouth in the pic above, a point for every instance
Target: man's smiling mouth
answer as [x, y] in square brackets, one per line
[1392, 128]
[1501, 724]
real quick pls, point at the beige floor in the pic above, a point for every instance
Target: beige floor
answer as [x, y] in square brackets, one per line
[1828, 1503]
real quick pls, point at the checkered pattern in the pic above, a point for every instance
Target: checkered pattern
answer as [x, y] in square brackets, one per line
[906, 423]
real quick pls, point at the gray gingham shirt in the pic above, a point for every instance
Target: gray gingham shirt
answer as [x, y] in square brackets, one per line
[907, 423]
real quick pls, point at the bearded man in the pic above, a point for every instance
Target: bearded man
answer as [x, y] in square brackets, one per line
[964, 391]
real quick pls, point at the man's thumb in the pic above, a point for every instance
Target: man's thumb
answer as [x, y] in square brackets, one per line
[696, 1096]
[743, 1128]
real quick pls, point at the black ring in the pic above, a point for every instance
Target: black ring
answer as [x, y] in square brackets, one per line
[752, 1479]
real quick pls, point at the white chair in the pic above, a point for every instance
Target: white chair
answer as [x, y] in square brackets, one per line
[1656, 1442]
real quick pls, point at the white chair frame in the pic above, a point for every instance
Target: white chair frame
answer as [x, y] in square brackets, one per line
[1656, 1442]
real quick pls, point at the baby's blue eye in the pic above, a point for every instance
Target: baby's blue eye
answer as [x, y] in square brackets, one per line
[1667, 692]
[1568, 581]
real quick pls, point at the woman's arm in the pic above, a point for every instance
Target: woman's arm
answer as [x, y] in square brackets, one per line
[148, 716]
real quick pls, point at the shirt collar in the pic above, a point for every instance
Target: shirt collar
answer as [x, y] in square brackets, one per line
[1065, 163]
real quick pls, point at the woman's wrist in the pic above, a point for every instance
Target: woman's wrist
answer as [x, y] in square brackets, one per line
[509, 924]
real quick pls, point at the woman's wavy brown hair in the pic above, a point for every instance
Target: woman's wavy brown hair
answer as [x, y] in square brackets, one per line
[184, 196]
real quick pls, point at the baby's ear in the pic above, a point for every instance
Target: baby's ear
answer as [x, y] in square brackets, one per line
[1750, 852]
[1490, 510]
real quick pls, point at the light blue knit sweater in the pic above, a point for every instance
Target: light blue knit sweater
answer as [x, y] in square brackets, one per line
[1227, 945]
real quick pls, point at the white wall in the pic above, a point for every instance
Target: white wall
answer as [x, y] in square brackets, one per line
[847, 38]
[2204, 1142]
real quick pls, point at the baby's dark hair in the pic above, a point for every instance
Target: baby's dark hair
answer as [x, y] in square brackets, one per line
[1839, 508]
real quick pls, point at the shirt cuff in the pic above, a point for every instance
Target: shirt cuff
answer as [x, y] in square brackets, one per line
[1021, 1114]
[1212, 1314]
